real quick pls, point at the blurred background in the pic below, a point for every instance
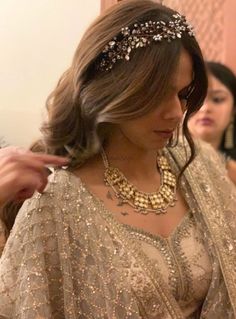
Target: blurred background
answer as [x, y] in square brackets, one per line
[38, 39]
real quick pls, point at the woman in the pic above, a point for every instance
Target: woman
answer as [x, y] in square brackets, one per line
[117, 235]
[215, 121]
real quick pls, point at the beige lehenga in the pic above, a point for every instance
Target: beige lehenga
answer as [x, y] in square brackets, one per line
[67, 257]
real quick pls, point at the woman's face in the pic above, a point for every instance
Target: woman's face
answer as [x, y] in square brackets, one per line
[153, 130]
[210, 122]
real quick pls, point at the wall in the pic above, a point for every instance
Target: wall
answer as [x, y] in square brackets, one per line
[38, 39]
[228, 23]
[230, 30]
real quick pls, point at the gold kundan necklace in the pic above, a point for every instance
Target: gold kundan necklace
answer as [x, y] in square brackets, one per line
[156, 202]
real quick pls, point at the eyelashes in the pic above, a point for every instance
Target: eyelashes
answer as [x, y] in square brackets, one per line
[185, 93]
[217, 99]
[184, 96]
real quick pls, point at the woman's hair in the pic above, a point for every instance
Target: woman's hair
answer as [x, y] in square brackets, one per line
[222, 73]
[88, 101]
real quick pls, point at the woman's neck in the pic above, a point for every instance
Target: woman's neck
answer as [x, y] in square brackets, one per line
[134, 162]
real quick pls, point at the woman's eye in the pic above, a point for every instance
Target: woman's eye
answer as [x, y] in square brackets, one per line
[184, 101]
[183, 98]
[217, 99]
[185, 94]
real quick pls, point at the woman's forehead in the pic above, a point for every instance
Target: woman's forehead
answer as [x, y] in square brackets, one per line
[183, 74]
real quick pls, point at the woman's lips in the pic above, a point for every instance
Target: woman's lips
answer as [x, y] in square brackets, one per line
[205, 122]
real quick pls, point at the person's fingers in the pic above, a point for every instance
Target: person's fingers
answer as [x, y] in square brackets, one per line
[24, 172]
[14, 183]
[31, 182]
[49, 159]
[23, 195]
[17, 166]
[10, 150]
[16, 163]
[35, 177]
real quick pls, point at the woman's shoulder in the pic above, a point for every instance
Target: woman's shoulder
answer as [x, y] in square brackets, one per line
[60, 204]
[61, 179]
[62, 185]
[63, 190]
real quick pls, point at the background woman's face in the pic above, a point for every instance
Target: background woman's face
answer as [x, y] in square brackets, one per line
[210, 122]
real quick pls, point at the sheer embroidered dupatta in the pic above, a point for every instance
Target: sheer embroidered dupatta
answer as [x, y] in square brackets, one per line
[212, 198]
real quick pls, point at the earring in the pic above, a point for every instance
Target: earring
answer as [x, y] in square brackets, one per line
[229, 136]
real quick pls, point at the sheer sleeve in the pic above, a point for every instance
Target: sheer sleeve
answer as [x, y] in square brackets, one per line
[30, 267]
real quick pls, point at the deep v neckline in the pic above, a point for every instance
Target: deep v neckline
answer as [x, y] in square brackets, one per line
[157, 237]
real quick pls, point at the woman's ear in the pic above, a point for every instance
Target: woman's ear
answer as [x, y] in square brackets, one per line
[229, 133]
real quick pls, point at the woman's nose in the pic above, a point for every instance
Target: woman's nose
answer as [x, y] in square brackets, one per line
[175, 109]
[206, 107]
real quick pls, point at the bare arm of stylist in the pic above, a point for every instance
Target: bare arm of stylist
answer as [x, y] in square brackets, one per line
[23, 172]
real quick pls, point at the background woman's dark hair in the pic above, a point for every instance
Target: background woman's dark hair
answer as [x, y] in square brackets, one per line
[86, 101]
[226, 76]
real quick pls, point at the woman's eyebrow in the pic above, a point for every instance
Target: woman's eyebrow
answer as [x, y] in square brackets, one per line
[217, 91]
[173, 88]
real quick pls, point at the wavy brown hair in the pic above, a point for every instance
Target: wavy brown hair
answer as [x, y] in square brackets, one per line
[87, 102]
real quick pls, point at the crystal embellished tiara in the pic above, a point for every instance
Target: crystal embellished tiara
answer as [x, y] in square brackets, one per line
[140, 35]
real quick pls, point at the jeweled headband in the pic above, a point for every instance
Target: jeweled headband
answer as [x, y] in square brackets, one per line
[140, 35]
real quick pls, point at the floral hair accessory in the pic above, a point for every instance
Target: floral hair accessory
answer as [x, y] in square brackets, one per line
[141, 35]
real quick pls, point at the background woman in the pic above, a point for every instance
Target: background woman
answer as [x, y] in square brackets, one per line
[215, 122]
